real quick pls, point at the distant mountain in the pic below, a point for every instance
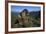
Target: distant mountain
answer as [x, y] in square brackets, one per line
[34, 14]
[15, 13]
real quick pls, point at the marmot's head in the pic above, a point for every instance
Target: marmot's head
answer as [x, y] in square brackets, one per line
[24, 12]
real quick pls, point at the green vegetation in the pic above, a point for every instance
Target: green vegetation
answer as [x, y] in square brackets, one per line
[34, 20]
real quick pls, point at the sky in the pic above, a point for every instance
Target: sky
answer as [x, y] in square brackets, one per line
[29, 8]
